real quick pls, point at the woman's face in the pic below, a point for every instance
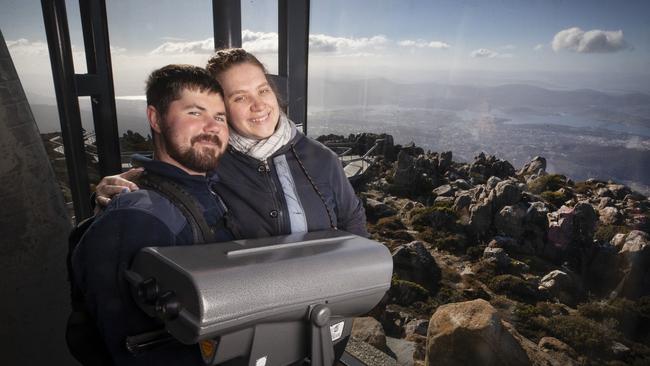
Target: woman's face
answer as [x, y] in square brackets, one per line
[253, 109]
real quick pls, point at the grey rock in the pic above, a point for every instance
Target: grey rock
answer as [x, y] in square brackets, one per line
[461, 184]
[416, 326]
[480, 216]
[536, 166]
[413, 262]
[497, 256]
[403, 350]
[444, 190]
[562, 286]
[462, 202]
[609, 215]
[506, 193]
[369, 330]
[509, 221]
[492, 182]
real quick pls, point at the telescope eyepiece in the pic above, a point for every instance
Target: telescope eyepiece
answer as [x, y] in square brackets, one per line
[167, 306]
[148, 291]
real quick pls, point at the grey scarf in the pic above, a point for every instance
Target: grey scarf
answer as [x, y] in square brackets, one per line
[262, 149]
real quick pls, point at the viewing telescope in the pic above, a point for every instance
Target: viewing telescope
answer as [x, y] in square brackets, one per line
[261, 302]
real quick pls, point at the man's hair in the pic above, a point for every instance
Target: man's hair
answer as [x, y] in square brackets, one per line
[226, 58]
[166, 84]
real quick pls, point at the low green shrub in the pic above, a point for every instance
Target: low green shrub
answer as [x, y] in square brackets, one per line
[550, 182]
[557, 198]
[515, 288]
[605, 233]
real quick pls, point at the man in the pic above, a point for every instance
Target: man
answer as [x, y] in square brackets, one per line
[187, 116]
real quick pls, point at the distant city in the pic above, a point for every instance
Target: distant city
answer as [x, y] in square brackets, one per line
[582, 133]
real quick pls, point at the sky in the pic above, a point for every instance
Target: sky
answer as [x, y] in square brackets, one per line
[577, 44]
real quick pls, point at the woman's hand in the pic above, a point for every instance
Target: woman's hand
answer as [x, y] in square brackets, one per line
[113, 185]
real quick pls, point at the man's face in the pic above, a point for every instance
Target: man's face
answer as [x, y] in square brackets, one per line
[252, 105]
[194, 132]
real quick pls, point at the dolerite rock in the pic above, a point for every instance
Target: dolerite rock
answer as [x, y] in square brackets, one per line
[506, 193]
[572, 227]
[416, 327]
[498, 256]
[461, 184]
[462, 202]
[535, 166]
[480, 216]
[561, 286]
[404, 171]
[609, 215]
[484, 167]
[413, 262]
[444, 161]
[471, 333]
[619, 191]
[416, 175]
[407, 211]
[369, 330]
[509, 221]
[635, 263]
[584, 222]
[561, 354]
[365, 141]
[535, 228]
[375, 210]
[507, 243]
[492, 182]
[444, 190]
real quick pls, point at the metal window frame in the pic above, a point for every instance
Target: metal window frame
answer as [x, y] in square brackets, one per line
[293, 48]
[291, 81]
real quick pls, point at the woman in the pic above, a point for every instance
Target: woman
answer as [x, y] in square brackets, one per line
[274, 180]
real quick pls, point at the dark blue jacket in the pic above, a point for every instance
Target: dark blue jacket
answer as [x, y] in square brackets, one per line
[253, 190]
[133, 221]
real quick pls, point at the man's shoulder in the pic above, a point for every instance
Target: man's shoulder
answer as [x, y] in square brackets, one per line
[147, 202]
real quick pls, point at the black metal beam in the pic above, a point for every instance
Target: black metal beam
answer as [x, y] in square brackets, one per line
[60, 48]
[293, 50]
[100, 88]
[226, 16]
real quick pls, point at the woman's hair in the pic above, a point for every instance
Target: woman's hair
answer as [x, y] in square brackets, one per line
[226, 58]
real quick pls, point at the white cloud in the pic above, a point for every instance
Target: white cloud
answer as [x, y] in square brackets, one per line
[267, 42]
[190, 47]
[593, 41]
[424, 44]
[117, 50]
[23, 47]
[259, 42]
[324, 43]
[538, 47]
[483, 53]
[486, 53]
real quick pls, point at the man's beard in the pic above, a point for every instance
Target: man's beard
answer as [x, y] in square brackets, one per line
[203, 159]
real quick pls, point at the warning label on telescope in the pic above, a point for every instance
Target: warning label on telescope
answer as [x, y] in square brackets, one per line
[336, 330]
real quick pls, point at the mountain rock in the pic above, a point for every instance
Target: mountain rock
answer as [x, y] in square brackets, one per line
[369, 330]
[509, 221]
[413, 262]
[471, 333]
[561, 286]
[634, 262]
[536, 166]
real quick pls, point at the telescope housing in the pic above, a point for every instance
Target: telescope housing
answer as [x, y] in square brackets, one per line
[269, 301]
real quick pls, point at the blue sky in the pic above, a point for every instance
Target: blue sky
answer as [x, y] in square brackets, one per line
[565, 44]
